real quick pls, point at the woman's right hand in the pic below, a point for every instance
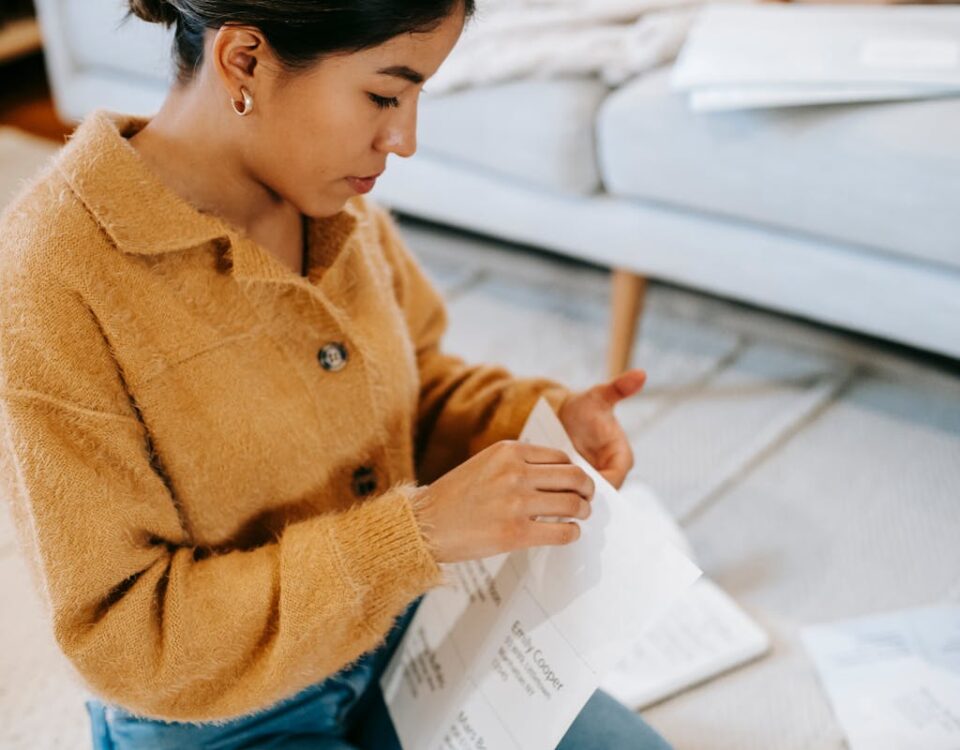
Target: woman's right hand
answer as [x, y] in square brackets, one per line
[489, 503]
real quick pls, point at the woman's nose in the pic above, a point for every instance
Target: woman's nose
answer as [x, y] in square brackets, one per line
[400, 137]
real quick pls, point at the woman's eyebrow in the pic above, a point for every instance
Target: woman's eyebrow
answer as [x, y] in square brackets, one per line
[402, 71]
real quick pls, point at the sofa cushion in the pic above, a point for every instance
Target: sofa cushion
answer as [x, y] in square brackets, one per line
[101, 42]
[885, 176]
[539, 132]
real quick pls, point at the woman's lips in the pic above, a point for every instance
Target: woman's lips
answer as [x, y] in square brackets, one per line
[363, 184]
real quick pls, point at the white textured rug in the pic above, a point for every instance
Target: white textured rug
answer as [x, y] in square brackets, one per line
[816, 474]
[21, 154]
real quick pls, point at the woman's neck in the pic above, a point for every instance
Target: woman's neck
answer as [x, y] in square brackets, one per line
[188, 149]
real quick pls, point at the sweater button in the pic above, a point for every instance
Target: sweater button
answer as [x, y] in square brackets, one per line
[333, 357]
[364, 481]
[224, 260]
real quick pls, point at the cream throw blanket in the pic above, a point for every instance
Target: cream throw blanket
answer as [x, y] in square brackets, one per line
[616, 39]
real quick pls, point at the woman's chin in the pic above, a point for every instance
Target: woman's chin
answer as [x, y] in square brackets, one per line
[327, 206]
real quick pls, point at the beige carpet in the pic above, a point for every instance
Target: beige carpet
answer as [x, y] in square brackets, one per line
[815, 472]
[21, 154]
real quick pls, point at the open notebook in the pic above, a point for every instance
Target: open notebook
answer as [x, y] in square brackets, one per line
[704, 634]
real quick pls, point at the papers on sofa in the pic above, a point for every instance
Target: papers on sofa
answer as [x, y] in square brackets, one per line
[718, 99]
[739, 57]
[893, 680]
[508, 654]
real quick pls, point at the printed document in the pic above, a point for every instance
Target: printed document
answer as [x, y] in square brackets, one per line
[506, 655]
[703, 634]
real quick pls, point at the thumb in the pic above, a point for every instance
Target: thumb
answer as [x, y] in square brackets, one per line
[622, 386]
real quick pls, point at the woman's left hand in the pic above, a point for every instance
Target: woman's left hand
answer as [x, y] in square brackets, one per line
[595, 432]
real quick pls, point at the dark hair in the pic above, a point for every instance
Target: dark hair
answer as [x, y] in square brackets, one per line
[299, 31]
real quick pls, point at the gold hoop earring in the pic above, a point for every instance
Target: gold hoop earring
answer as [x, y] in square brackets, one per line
[247, 103]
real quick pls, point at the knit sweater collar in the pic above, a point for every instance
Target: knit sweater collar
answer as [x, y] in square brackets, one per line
[142, 215]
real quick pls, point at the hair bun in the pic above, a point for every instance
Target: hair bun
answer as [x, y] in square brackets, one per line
[155, 11]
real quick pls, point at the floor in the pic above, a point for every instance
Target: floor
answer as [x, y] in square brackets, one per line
[817, 474]
[25, 101]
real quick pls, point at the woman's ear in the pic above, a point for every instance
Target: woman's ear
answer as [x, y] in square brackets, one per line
[238, 53]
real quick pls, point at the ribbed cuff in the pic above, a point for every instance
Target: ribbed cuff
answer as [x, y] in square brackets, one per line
[384, 553]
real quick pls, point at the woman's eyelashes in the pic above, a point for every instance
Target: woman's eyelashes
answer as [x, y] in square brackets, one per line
[387, 102]
[384, 102]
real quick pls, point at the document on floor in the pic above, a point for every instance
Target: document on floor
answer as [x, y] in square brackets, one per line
[894, 679]
[506, 655]
[702, 635]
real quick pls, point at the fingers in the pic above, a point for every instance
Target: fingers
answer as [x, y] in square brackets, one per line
[558, 504]
[618, 468]
[552, 486]
[616, 479]
[622, 386]
[568, 478]
[541, 454]
[553, 533]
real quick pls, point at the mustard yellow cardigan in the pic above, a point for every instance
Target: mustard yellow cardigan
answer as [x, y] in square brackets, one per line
[211, 460]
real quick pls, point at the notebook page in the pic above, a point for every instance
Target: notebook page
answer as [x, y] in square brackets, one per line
[703, 634]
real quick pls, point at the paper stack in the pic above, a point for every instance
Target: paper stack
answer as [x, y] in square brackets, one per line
[756, 56]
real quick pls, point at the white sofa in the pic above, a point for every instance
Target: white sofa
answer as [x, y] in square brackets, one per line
[846, 215]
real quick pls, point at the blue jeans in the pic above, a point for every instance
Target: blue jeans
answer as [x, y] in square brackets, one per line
[343, 712]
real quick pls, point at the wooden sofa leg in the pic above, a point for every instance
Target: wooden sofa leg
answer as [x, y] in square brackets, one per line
[627, 295]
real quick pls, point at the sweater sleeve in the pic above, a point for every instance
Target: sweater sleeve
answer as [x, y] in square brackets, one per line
[462, 408]
[150, 621]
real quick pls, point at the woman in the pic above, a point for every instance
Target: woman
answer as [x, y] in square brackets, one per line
[221, 378]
